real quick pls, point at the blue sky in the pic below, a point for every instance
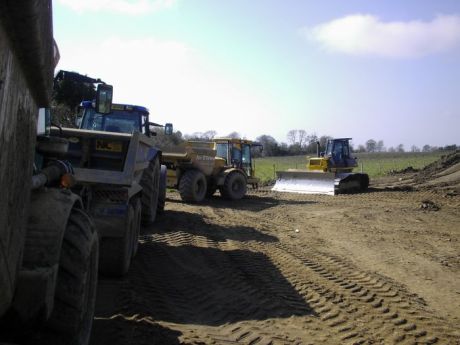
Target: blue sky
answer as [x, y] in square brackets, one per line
[387, 70]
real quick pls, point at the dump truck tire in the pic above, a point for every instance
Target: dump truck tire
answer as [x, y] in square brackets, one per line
[235, 186]
[150, 183]
[192, 186]
[162, 192]
[75, 293]
[136, 225]
[116, 252]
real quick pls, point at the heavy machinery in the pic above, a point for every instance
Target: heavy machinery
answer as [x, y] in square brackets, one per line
[48, 243]
[329, 173]
[200, 168]
[117, 172]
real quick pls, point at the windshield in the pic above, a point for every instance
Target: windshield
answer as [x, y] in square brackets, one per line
[222, 151]
[117, 121]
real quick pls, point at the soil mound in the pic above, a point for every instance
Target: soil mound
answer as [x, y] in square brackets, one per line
[443, 174]
[438, 167]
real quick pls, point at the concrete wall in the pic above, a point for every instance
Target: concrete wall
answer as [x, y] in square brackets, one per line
[26, 71]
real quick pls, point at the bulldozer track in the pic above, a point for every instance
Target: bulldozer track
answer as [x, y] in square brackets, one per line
[203, 277]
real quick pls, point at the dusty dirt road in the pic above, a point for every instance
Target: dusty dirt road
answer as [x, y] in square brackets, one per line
[381, 267]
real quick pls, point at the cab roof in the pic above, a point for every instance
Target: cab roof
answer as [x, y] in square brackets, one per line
[116, 106]
[233, 140]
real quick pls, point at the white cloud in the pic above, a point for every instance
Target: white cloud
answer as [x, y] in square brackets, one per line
[173, 80]
[130, 7]
[360, 34]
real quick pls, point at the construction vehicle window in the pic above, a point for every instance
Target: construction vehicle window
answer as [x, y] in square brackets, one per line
[346, 150]
[337, 152]
[117, 121]
[246, 157]
[222, 149]
[330, 145]
[236, 154]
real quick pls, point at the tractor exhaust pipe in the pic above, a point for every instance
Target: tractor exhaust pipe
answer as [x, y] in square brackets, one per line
[317, 149]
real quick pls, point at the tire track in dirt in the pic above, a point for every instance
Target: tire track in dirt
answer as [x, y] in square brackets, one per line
[242, 288]
[403, 316]
[204, 277]
[376, 300]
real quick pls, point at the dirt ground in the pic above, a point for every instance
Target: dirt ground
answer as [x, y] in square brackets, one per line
[380, 267]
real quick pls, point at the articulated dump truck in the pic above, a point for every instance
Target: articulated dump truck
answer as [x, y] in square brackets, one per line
[197, 169]
[330, 173]
[48, 243]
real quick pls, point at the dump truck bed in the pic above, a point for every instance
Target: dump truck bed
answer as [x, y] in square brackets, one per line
[106, 158]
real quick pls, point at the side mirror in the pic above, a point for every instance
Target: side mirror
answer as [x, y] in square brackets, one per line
[104, 95]
[168, 129]
[44, 122]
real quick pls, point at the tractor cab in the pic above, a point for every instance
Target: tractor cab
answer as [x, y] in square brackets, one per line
[121, 118]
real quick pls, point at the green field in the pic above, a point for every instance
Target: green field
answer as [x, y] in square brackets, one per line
[374, 164]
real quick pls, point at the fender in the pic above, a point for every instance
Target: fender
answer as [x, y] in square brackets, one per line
[49, 213]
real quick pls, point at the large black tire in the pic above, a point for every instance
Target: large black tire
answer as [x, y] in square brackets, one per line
[150, 183]
[116, 252]
[162, 192]
[75, 295]
[192, 186]
[136, 225]
[235, 186]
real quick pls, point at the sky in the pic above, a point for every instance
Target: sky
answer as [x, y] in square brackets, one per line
[383, 70]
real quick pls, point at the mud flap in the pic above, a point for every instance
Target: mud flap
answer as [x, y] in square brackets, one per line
[305, 182]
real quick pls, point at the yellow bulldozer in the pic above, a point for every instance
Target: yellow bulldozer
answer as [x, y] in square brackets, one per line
[328, 173]
[197, 169]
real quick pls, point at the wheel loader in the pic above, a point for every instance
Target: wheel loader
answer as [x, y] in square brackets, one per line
[198, 169]
[331, 172]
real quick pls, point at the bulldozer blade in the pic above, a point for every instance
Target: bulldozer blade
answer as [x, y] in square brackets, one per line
[305, 182]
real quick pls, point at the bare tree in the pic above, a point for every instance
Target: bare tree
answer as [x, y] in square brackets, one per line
[292, 136]
[209, 135]
[380, 146]
[400, 148]
[323, 141]
[270, 145]
[302, 137]
[371, 145]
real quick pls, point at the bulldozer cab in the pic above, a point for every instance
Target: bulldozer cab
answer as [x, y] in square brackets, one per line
[338, 152]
